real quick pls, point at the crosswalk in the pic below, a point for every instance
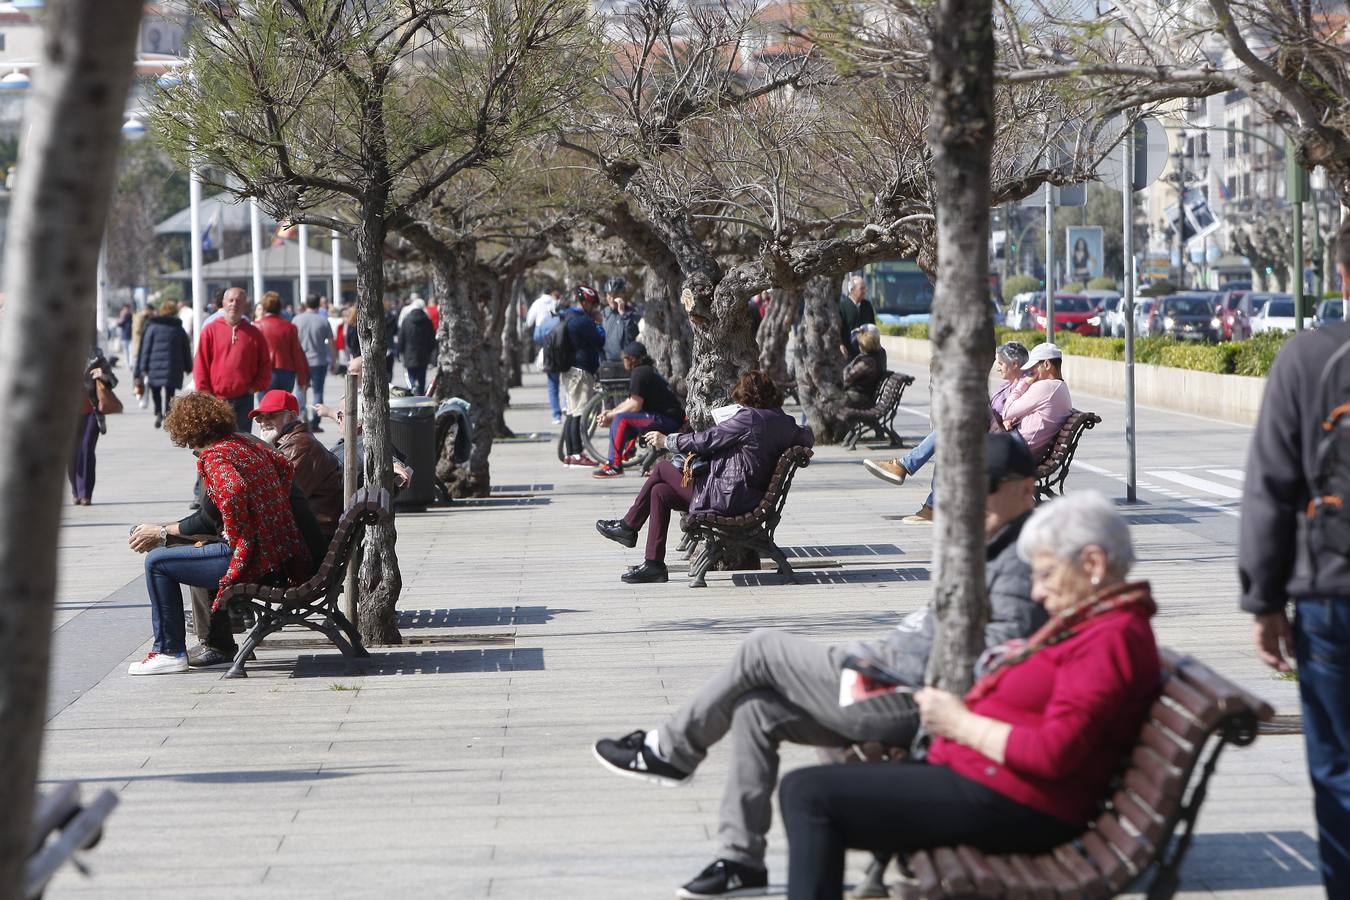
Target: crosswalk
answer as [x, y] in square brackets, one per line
[1217, 489]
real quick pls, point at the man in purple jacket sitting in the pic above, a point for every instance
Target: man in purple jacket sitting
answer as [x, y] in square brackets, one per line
[741, 454]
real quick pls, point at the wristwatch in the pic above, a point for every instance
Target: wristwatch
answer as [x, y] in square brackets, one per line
[163, 535]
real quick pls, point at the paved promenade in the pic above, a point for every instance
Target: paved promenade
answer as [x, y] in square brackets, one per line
[459, 765]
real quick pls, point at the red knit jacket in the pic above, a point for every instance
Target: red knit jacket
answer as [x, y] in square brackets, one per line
[283, 342]
[1076, 708]
[231, 362]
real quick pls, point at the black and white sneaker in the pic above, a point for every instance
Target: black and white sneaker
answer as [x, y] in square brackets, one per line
[630, 756]
[725, 878]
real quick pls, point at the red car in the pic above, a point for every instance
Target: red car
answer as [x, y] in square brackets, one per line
[1232, 312]
[1073, 312]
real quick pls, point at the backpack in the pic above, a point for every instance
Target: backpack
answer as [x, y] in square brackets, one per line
[557, 351]
[1328, 517]
[546, 326]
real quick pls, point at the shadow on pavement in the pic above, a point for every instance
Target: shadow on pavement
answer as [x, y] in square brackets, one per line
[843, 550]
[416, 662]
[852, 576]
[477, 616]
[242, 776]
[1251, 860]
[814, 623]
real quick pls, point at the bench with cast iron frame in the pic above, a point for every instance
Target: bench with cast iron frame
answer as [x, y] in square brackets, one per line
[880, 417]
[62, 826]
[722, 536]
[312, 604]
[1053, 469]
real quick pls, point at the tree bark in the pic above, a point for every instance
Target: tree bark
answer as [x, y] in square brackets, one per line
[56, 225]
[665, 329]
[961, 135]
[775, 330]
[513, 336]
[820, 368]
[380, 581]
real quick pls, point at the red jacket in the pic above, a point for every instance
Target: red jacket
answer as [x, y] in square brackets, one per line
[1075, 708]
[283, 340]
[231, 362]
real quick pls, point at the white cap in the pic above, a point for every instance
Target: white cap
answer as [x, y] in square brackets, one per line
[1040, 353]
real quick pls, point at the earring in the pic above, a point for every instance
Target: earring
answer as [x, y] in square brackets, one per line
[1096, 581]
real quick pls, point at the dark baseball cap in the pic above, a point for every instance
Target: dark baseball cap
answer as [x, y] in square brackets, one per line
[1007, 457]
[635, 349]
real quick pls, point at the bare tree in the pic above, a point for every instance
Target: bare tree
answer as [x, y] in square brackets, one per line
[65, 179]
[350, 114]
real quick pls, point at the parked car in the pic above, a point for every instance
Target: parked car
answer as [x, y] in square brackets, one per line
[1188, 317]
[1234, 310]
[1328, 312]
[1274, 312]
[1073, 312]
[1108, 306]
[1016, 317]
[1000, 319]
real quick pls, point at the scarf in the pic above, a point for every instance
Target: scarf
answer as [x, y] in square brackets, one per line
[1133, 595]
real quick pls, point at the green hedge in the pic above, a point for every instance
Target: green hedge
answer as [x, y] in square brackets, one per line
[1250, 357]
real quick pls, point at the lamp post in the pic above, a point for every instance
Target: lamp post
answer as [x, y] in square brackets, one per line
[1178, 231]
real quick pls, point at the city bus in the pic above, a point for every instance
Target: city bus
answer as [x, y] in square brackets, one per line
[900, 292]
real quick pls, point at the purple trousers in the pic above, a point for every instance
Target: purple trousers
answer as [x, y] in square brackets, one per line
[81, 471]
[661, 493]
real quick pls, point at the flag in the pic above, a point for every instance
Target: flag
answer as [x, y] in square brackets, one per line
[285, 232]
[210, 242]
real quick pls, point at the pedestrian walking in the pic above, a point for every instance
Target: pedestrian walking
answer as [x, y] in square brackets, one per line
[1294, 547]
[316, 339]
[92, 424]
[289, 364]
[233, 360]
[165, 356]
[417, 343]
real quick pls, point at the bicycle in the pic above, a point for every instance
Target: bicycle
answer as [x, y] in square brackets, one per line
[594, 436]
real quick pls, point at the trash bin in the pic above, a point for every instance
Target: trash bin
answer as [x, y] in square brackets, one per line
[412, 426]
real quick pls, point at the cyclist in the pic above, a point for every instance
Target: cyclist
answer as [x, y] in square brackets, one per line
[651, 406]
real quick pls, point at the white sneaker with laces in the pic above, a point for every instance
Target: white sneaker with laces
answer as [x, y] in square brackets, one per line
[159, 664]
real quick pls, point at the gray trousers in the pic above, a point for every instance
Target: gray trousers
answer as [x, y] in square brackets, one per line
[778, 687]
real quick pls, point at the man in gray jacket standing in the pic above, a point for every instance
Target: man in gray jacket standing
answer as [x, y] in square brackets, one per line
[783, 687]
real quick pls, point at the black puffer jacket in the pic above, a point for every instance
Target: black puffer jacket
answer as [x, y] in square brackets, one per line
[165, 353]
[416, 338]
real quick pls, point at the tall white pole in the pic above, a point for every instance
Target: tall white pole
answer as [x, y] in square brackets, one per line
[337, 270]
[1127, 244]
[302, 235]
[101, 301]
[255, 234]
[1049, 262]
[198, 280]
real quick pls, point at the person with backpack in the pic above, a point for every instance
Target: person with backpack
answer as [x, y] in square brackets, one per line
[1294, 546]
[542, 318]
[573, 350]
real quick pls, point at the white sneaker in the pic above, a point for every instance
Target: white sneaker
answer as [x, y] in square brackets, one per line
[159, 664]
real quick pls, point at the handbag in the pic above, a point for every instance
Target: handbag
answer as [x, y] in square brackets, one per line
[692, 465]
[108, 404]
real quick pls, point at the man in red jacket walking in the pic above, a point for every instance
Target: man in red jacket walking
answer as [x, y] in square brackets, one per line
[233, 360]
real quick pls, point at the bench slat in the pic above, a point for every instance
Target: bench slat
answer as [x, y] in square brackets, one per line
[1230, 697]
[987, 883]
[925, 873]
[1062, 883]
[1191, 700]
[1086, 877]
[1161, 802]
[1172, 751]
[1038, 886]
[1152, 767]
[953, 876]
[1014, 886]
[1114, 871]
[1135, 852]
[1181, 725]
[1143, 818]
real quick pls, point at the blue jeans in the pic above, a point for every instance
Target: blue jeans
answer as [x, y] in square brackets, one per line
[282, 379]
[917, 458]
[317, 373]
[1322, 648]
[166, 570]
[553, 394]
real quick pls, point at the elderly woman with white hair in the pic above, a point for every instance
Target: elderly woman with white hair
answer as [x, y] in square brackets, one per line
[864, 372]
[1022, 763]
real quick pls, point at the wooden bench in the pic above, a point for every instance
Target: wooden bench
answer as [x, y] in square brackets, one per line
[881, 416]
[62, 826]
[314, 603]
[751, 531]
[1054, 466]
[1146, 825]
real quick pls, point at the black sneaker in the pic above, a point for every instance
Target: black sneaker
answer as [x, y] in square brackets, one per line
[648, 573]
[630, 756]
[617, 530]
[725, 878]
[204, 657]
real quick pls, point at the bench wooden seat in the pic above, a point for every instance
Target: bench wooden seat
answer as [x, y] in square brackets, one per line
[880, 417]
[750, 531]
[1053, 469]
[62, 826]
[314, 603]
[1146, 825]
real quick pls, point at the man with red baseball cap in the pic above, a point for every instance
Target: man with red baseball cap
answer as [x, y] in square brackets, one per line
[317, 472]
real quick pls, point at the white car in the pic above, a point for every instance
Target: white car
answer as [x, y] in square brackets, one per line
[1016, 318]
[1113, 316]
[1275, 313]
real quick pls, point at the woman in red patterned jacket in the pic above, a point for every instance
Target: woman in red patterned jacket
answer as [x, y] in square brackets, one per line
[250, 484]
[1023, 762]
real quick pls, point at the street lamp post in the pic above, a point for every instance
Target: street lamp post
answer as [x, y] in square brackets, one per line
[1178, 232]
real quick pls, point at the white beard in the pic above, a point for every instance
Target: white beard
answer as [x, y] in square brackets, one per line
[268, 434]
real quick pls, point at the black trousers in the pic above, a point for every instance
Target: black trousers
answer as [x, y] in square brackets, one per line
[889, 807]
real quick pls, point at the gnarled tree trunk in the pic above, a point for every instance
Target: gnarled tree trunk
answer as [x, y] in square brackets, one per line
[55, 229]
[665, 330]
[775, 331]
[380, 581]
[820, 368]
[961, 135]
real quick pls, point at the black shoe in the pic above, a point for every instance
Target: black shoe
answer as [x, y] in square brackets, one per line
[618, 531]
[647, 573]
[725, 878]
[159, 420]
[630, 756]
[204, 657]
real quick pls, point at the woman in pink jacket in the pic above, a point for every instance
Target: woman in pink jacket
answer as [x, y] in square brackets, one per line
[1038, 404]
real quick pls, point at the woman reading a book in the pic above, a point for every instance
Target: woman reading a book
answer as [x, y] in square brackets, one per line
[724, 470]
[1022, 762]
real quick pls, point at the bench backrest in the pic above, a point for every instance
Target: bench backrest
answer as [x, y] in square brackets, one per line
[770, 507]
[1066, 441]
[888, 395]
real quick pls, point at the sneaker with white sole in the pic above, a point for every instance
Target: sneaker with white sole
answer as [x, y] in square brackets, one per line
[159, 664]
[630, 756]
[726, 878]
[891, 470]
[923, 517]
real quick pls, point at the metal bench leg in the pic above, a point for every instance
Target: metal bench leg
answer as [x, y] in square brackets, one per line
[784, 568]
[851, 439]
[701, 565]
[874, 882]
[356, 648]
[250, 644]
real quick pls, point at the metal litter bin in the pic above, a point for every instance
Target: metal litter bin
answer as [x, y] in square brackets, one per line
[412, 426]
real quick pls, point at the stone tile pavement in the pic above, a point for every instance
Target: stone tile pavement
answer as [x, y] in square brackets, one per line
[459, 765]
